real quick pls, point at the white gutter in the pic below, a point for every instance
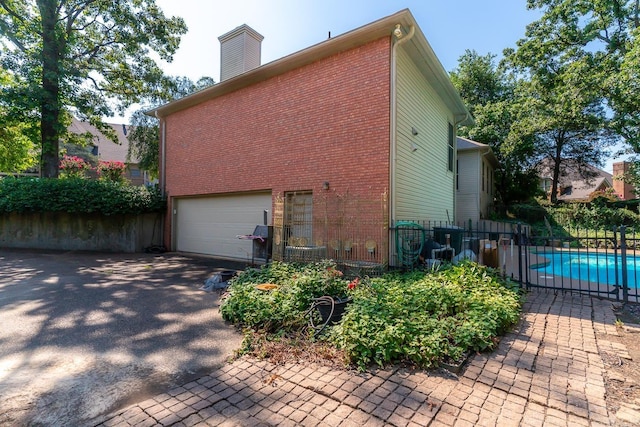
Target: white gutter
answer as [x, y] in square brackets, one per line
[163, 182]
[393, 119]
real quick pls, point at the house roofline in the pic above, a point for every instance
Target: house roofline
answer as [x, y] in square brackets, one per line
[479, 146]
[381, 28]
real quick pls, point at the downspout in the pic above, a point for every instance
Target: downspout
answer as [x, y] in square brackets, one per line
[161, 123]
[399, 40]
[163, 181]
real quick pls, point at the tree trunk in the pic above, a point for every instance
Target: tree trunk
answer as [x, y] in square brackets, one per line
[50, 108]
[557, 161]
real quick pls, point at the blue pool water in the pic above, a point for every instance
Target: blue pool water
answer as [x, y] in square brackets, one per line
[592, 267]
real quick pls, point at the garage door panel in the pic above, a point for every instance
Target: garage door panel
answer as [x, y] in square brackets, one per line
[209, 225]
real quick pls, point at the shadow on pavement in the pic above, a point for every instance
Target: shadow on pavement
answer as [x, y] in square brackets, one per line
[86, 333]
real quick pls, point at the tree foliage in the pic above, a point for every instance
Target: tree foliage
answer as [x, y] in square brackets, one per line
[144, 135]
[592, 49]
[16, 148]
[90, 58]
[562, 110]
[489, 91]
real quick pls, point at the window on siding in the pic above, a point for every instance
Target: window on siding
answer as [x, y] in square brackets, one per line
[451, 145]
[482, 176]
[488, 173]
[491, 184]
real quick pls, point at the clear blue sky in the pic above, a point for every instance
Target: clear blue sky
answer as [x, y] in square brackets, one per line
[291, 25]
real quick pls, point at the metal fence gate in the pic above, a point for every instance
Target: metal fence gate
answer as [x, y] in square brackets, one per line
[604, 263]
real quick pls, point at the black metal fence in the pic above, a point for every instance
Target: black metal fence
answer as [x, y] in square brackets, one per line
[358, 235]
[604, 263]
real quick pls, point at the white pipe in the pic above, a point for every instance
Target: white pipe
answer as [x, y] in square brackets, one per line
[163, 147]
[163, 180]
[392, 128]
[393, 120]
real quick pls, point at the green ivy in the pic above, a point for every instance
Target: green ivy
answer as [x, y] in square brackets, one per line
[24, 195]
[427, 318]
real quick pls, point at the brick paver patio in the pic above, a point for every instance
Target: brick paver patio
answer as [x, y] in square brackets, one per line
[547, 372]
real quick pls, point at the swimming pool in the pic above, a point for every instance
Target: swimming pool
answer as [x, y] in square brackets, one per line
[591, 267]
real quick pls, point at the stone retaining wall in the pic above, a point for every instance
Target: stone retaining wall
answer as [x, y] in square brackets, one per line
[90, 232]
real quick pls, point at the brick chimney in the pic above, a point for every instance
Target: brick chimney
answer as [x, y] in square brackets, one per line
[622, 189]
[240, 51]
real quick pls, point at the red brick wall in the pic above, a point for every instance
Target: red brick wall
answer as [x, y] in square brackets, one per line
[327, 121]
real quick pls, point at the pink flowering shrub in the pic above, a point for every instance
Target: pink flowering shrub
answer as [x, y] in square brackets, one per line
[74, 167]
[111, 170]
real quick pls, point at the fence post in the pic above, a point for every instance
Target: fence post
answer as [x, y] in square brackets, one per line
[623, 259]
[616, 263]
[520, 254]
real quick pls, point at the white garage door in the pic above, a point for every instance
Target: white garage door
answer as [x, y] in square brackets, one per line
[210, 225]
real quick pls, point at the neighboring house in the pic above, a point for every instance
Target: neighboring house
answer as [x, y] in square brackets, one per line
[576, 182]
[332, 145]
[475, 181]
[108, 150]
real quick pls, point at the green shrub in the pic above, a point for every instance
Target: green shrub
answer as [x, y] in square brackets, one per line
[284, 307]
[594, 216]
[529, 213]
[418, 317]
[23, 195]
[427, 319]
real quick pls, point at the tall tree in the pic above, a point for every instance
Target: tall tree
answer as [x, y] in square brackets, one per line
[566, 96]
[604, 32]
[86, 57]
[489, 90]
[144, 134]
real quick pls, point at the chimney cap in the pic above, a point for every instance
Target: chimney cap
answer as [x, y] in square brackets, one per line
[244, 28]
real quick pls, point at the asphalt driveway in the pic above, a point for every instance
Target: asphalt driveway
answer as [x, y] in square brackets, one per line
[83, 334]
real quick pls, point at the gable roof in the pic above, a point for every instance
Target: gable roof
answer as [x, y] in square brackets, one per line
[464, 144]
[418, 48]
[107, 149]
[572, 182]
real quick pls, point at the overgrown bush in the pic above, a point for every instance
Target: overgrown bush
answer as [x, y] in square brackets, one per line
[427, 319]
[593, 216]
[600, 213]
[417, 317]
[529, 213]
[284, 307]
[22, 195]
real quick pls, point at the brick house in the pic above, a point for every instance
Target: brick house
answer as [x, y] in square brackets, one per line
[331, 145]
[107, 150]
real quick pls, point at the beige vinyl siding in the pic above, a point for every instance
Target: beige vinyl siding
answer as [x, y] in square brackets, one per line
[486, 196]
[423, 184]
[468, 196]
